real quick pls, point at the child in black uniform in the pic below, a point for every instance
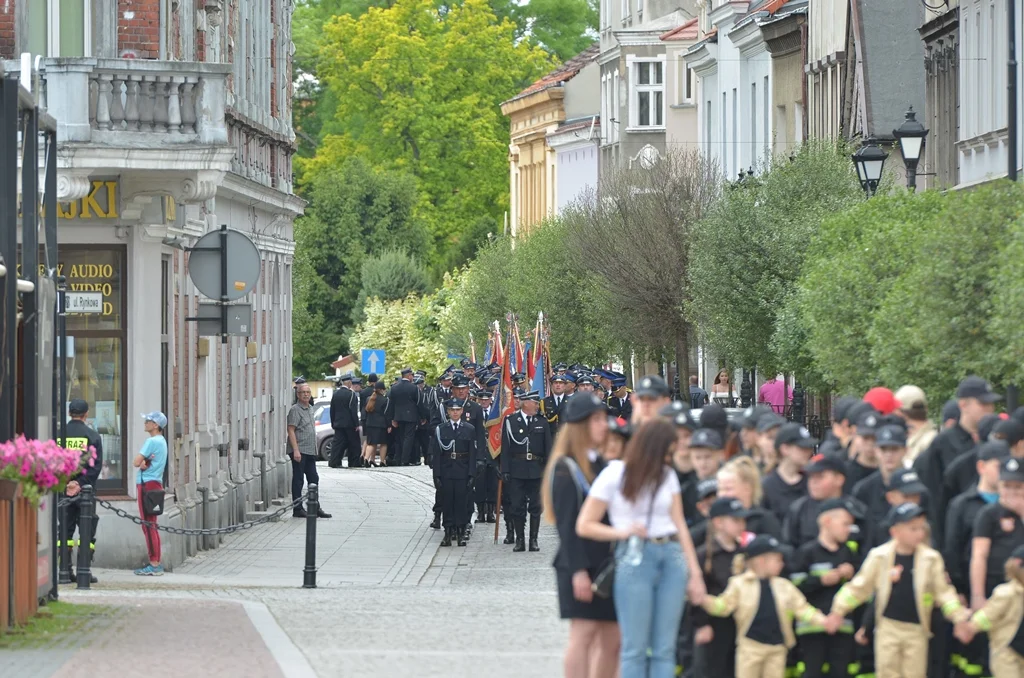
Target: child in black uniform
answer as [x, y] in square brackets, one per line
[715, 637]
[820, 569]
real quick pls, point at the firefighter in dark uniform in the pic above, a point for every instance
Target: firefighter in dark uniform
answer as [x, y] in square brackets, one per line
[553, 404]
[81, 437]
[486, 490]
[619, 403]
[472, 414]
[525, 444]
[421, 444]
[454, 451]
[438, 417]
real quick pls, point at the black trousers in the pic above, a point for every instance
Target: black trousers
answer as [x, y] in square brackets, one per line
[717, 659]
[405, 442]
[454, 502]
[421, 450]
[305, 468]
[72, 513]
[819, 649]
[438, 496]
[486, 485]
[345, 444]
[524, 495]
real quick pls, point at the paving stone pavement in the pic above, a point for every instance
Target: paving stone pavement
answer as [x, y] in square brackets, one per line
[390, 601]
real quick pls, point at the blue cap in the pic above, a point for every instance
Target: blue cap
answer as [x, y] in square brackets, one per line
[569, 376]
[158, 418]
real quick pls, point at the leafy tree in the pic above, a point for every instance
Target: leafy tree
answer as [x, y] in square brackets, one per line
[749, 252]
[1007, 310]
[636, 232]
[398, 327]
[354, 212]
[392, 274]
[562, 27]
[479, 295]
[852, 262]
[418, 89]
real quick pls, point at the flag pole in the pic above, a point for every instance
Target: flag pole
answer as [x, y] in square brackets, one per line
[472, 348]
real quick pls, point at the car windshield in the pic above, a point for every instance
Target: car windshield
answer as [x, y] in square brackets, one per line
[322, 414]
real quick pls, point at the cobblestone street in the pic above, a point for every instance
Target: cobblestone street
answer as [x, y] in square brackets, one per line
[390, 602]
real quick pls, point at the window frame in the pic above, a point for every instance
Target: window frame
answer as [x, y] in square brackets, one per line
[636, 89]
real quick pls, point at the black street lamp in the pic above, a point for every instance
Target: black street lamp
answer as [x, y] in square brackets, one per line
[911, 135]
[869, 160]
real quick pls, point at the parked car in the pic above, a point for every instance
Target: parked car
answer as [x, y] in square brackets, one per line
[324, 432]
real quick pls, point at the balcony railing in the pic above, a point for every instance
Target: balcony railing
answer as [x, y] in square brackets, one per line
[136, 103]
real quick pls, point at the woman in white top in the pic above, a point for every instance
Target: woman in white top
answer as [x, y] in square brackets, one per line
[722, 391]
[656, 564]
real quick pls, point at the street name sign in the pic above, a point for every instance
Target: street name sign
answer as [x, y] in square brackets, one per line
[83, 302]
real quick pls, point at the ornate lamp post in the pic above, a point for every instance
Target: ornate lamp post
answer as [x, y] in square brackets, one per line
[911, 135]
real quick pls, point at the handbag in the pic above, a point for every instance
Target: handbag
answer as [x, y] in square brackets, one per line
[602, 583]
[153, 502]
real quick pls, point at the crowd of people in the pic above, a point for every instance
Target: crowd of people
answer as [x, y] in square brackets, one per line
[715, 545]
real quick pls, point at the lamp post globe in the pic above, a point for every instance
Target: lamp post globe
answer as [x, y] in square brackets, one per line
[869, 161]
[911, 135]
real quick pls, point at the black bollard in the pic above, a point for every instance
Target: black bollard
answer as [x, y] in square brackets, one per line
[312, 508]
[64, 575]
[86, 525]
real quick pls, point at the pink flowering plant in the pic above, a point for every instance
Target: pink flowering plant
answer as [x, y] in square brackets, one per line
[41, 466]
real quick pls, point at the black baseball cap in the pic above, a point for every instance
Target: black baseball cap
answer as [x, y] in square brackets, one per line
[728, 506]
[1010, 430]
[769, 421]
[1012, 471]
[842, 407]
[868, 421]
[843, 503]
[794, 433]
[891, 436]
[706, 438]
[951, 410]
[978, 388]
[707, 488]
[714, 416]
[581, 406]
[820, 463]
[652, 386]
[753, 414]
[762, 544]
[993, 449]
[905, 480]
[904, 513]
[78, 407]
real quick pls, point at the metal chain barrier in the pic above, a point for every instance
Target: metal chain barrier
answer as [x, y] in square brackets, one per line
[208, 531]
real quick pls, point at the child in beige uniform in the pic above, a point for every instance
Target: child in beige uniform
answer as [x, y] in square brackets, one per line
[763, 605]
[1002, 619]
[907, 578]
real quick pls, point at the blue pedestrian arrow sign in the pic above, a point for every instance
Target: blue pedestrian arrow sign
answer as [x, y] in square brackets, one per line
[371, 360]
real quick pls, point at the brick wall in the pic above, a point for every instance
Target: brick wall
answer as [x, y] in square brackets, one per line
[7, 29]
[138, 28]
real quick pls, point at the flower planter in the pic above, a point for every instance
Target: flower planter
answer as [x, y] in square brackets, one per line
[9, 489]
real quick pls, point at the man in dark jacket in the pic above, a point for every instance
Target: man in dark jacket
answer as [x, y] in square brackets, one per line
[80, 437]
[345, 422]
[405, 401]
[975, 399]
[453, 451]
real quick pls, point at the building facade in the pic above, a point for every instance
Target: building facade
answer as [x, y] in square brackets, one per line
[554, 132]
[681, 89]
[982, 142]
[173, 118]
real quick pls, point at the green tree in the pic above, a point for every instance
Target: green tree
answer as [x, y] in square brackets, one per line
[418, 90]
[478, 296]
[398, 327]
[392, 274]
[852, 262]
[749, 252]
[562, 27]
[354, 212]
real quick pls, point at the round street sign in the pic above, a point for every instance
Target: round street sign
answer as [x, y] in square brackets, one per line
[243, 265]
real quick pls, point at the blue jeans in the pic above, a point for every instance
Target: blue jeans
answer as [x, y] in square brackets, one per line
[649, 601]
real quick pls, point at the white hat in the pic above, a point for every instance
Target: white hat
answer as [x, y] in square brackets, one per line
[911, 397]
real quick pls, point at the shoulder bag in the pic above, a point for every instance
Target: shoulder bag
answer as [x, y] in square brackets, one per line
[152, 501]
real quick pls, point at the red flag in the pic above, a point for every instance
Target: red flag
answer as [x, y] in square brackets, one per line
[504, 401]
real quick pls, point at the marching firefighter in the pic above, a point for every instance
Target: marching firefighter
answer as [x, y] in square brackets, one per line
[81, 437]
[454, 451]
[525, 445]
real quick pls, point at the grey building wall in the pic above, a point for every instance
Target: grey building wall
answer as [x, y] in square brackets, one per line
[583, 93]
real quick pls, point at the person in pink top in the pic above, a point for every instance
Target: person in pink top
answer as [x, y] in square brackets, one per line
[775, 393]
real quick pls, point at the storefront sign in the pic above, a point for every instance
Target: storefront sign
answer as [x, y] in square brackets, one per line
[101, 203]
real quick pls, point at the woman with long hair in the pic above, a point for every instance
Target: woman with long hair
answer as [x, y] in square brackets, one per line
[741, 479]
[722, 391]
[593, 632]
[656, 563]
[375, 422]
